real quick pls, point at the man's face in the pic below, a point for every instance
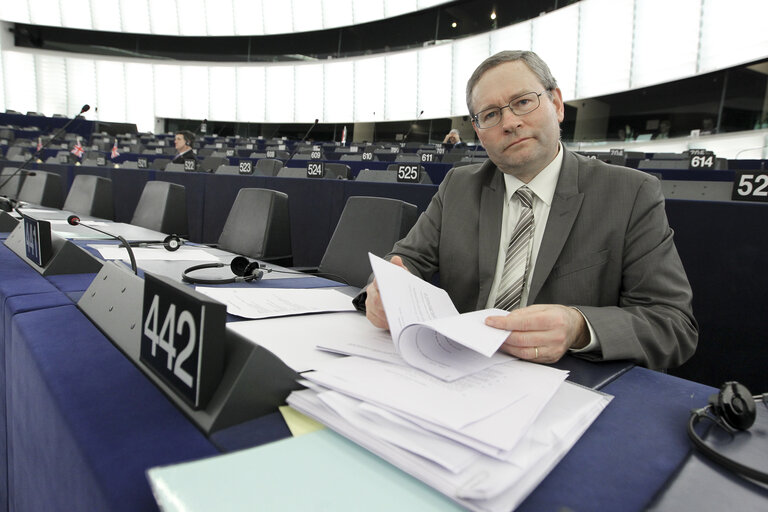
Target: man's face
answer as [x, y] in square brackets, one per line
[452, 138]
[519, 145]
[179, 142]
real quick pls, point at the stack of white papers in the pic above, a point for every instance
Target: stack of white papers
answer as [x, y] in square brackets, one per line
[482, 428]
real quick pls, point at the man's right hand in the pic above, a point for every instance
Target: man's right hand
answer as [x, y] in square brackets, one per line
[374, 309]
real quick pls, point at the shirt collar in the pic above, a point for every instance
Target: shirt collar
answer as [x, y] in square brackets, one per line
[543, 185]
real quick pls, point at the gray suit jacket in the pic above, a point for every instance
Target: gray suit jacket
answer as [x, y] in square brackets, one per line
[607, 249]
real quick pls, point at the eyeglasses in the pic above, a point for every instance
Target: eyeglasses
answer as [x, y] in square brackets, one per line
[520, 105]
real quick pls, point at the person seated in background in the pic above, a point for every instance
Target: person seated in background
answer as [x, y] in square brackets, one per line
[183, 141]
[578, 251]
[453, 139]
[664, 127]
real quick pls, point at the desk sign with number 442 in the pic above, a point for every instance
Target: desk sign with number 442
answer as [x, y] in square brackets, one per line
[183, 339]
[750, 186]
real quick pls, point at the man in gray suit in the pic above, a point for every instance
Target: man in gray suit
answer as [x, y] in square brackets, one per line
[603, 278]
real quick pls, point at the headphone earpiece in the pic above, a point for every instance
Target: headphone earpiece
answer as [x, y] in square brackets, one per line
[248, 270]
[734, 410]
[172, 243]
[734, 405]
[245, 271]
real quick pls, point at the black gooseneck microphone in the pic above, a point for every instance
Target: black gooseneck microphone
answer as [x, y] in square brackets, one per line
[405, 137]
[74, 220]
[296, 146]
[37, 153]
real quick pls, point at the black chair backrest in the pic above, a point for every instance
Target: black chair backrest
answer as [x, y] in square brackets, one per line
[367, 224]
[91, 195]
[162, 207]
[259, 226]
[43, 188]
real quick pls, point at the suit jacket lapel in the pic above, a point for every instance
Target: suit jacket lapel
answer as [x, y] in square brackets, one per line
[489, 230]
[565, 206]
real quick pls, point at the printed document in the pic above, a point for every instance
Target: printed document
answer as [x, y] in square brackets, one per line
[428, 331]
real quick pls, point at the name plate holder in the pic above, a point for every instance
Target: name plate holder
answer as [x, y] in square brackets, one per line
[58, 255]
[239, 380]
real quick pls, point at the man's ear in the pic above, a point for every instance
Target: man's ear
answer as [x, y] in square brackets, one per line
[557, 99]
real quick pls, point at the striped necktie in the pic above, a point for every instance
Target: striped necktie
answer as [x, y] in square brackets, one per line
[518, 255]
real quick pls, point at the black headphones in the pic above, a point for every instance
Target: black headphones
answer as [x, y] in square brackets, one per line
[734, 410]
[245, 271]
[171, 243]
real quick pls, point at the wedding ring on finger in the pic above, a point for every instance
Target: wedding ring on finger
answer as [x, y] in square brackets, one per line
[537, 352]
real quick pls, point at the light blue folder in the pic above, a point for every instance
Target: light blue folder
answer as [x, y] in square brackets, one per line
[313, 472]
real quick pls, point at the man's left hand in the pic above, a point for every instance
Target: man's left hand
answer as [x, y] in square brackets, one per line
[542, 332]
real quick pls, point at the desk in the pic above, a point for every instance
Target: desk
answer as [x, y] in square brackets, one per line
[84, 424]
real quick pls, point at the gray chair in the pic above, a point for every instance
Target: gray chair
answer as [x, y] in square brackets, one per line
[259, 226]
[172, 167]
[13, 185]
[92, 196]
[367, 224]
[162, 207]
[211, 163]
[228, 169]
[43, 188]
[337, 171]
[159, 163]
[292, 172]
[268, 166]
[408, 157]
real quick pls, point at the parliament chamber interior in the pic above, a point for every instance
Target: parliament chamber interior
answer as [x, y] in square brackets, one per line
[319, 134]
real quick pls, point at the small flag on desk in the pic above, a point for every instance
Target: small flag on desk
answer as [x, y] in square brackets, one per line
[114, 153]
[39, 144]
[344, 135]
[78, 150]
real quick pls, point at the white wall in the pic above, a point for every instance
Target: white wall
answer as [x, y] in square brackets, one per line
[594, 47]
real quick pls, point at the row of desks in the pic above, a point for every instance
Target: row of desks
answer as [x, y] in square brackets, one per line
[83, 423]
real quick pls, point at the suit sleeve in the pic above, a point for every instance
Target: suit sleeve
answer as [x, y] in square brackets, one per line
[653, 323]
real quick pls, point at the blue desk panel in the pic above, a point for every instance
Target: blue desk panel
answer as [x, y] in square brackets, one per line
[83, 422]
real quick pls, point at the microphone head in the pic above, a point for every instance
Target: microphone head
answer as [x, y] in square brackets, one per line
[316, 121]
[85, 108]
[73, 220]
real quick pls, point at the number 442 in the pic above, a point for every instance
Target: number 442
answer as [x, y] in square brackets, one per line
[165, 339]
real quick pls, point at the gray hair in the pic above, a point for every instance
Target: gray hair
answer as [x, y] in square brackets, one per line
[533, 61]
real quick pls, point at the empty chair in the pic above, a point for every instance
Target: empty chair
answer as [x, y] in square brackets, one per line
[10, 184]
[367, 224]
[159, 163]
[129, 164]
[162, 207]
[377, 176]
[408, 157]
[454, 156]
[259, 226]
[43, 188]
[337, 171]
[228, 169]
[172, 167]
[268, 167]
[17, 153]
[354, 157]
[90, 195]
[292, 172]
[211, 163]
